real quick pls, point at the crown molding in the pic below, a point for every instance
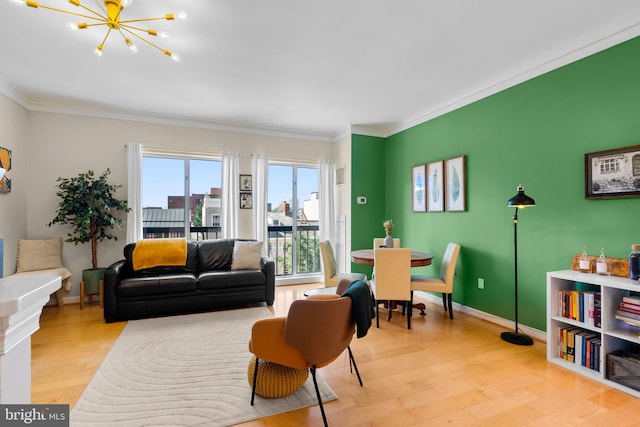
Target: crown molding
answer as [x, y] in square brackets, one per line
[382, 130]
[612, 39]
[193, 122]
[12, 93]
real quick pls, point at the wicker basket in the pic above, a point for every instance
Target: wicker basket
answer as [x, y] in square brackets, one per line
[275, 381]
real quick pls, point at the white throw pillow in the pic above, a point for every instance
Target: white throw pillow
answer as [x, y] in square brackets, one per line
[246, 256]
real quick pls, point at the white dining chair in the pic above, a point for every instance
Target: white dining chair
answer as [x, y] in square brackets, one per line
[331, 276]
[392, 282]
[378, 241]
[442, 283]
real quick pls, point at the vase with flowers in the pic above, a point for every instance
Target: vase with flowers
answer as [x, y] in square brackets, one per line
[388, 226]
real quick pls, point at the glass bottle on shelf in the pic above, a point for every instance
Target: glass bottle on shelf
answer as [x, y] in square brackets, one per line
[602, 264]
[585, 264]
[634, 262]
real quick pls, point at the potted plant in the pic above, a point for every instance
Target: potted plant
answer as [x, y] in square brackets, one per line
[388, 226]
[88, 205]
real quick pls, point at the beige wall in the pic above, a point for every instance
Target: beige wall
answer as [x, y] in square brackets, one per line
[53, 145]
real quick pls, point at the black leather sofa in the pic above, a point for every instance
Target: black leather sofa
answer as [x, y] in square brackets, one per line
[206, 282]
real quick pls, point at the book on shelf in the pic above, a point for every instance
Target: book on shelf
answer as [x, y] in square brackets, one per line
[631, 300]
[582, 306]
[597, 309]
[579, 346]
[596, 344]
[625, 312]
[631, 308]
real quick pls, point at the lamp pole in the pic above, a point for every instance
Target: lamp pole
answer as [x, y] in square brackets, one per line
[519, 201]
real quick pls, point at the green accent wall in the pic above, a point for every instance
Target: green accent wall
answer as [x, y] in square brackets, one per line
[368, 180]
[535, 134]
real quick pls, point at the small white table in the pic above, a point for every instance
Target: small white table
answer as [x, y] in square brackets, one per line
[21, 302]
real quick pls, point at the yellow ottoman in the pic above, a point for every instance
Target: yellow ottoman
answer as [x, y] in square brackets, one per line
[275, 381]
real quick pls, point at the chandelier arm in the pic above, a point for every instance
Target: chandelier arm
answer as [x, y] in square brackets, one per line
[90, 10]
[106, 36]
[101, 7]
[96, 25]
[161, 18]
[131, 27]
[139, 37]
[68, 12]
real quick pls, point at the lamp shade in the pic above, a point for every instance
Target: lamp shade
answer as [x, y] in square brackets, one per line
[521, 200]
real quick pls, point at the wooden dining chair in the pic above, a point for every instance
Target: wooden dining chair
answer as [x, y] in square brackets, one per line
[442, 283]
[392, 282]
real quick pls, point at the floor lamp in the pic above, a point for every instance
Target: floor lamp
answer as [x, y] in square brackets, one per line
[519, 201]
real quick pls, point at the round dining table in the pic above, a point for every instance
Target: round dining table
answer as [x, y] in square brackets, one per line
[366, 257]
[418, 259]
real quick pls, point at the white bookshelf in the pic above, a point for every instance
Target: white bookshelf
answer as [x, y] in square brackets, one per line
[614, 333]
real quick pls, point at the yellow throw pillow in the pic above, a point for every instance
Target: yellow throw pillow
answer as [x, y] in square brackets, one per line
[246, 256]
[36, 255]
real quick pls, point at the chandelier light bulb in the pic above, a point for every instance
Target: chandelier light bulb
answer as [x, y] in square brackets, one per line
[132, 46]
[173, 56]
[182, 15]
[98, 51]
[71, 26]
[17, 2]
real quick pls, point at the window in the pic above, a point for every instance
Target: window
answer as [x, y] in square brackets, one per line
[611, 165]
[181, 196]
[292, 219]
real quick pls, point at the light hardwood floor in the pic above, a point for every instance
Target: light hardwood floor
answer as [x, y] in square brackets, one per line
[441, 372]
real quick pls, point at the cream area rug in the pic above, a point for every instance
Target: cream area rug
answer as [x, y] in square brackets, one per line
[183, 371]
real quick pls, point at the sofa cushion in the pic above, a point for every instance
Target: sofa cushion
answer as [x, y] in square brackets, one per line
[190, 267]
[246, 255]
[162, 284]
[215, 254]
[230, 279]
[39, 255]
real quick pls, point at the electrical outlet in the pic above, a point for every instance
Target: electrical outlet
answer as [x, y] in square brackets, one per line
[480, 283]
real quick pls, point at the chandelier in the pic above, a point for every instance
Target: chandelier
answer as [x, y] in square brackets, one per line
[110, 17]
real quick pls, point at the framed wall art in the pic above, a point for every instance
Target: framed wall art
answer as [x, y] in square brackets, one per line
[611, 174]
[246, 200]
[455, 184]
[245, 183]
[418, 189]
[435, 187]
[5, 173]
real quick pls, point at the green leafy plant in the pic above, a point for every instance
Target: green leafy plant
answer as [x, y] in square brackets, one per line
[88, 205]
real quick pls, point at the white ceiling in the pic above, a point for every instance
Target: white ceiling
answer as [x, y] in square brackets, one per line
[299, 67]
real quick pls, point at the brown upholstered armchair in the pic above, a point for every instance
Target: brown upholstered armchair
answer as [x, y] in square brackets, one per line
[315, 332]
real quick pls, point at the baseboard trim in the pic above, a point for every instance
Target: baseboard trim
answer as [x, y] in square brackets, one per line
[532, 332]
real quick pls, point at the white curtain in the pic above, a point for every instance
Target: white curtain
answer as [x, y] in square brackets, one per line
[260, 172]
[134, 192]
[230, 195]
[326, 185]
